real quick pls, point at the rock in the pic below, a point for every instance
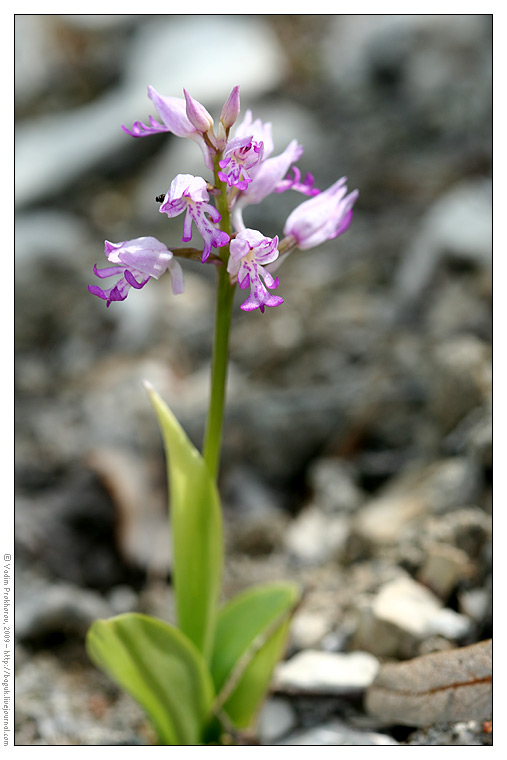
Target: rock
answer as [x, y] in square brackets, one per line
[69, 528]
[338, 734]
[74, 706]
[122, 599]
[472, 733]
[58, 609]
[444, 566]
[401, 615]
[461, 379]
[468, 529]
[316, 672]
[314, 538]
[276, 718]
[308, 629]
[473, 436]
[421, 489]
[475, 604]
[334, 486]
[457, 226]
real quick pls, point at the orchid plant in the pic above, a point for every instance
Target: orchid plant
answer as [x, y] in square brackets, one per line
[205, 677]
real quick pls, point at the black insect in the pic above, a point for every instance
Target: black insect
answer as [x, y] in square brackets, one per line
[160, 198]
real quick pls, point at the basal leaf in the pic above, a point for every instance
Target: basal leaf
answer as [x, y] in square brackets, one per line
[196, 523]
[160, 668]
[250, 637]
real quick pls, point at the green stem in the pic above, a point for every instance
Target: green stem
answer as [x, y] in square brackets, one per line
[213, 435]
[224, 301]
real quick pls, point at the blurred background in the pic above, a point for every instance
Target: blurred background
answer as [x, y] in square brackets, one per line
[357, 443]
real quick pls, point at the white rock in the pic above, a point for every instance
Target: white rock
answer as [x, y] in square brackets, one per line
[276, 718]
[445, 565]
[314, 538]
[403, 614]
[449, 624]
[334, 487]
[308, 629]
[457, 226]
[319, 672]
[338, 734]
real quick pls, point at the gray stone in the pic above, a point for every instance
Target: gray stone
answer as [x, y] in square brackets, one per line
[338, 734]
[475, 604]
[420, 489]
[461, 378]
[457, 226]
[401, 615]
[276, 718]
[334, 486]
[317, 672]
[444, 566]
[60, 608]
[308, 629]
[314, 538]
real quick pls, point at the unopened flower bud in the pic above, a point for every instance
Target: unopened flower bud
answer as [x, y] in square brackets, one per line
[230, 110]
[198, 115]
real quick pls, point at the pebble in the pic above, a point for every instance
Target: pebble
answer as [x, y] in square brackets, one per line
[43, 609]
[314, 537]
[401, 615]
[444, 566]
[316, 672]
[276, 718]
[339, 734]
[419, 489]
[334, 486]
[457, 226]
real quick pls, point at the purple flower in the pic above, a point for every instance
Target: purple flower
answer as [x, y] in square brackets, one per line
[136, 260]
[323, 217]
[256, 130]
[173, 113]
[240, 155]
[189, 194]
[268, 175]
[250, 251]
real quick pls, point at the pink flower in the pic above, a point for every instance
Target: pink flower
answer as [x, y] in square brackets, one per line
[323, 217]
[240, 156]
[250, 251]
[189, 194]
[136, 261]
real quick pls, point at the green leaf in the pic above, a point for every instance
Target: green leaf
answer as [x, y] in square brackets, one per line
[250, 637]
[196, 522]
[160, 668]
